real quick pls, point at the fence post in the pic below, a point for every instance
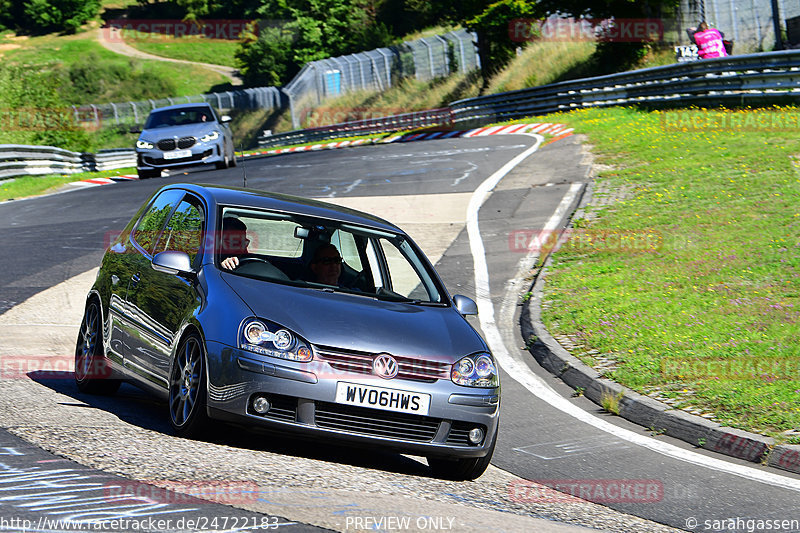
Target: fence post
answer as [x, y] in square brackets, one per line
[387, 64]
[445, 54]
[430, 56]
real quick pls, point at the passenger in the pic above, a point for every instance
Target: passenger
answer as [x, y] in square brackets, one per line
[709, 42]
[326, 266]
[234, 242]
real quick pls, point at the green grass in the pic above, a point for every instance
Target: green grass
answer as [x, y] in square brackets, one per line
[190, 48]
[47, 50]
[26, 186]
[702, 304]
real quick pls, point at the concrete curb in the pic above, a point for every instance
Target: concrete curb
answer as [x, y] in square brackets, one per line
[643, 410]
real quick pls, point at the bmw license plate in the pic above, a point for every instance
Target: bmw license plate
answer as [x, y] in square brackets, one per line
[383, 398]
[177, 154]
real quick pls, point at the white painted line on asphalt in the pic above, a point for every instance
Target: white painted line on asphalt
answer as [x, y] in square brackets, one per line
[516, 368]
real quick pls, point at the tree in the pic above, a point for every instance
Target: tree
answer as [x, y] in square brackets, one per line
[44, 16]
[313, 29]
[495, 45]
[614, 56]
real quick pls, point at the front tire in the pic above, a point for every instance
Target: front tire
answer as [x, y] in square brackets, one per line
[91, 366]
[187, 388]
[225, 163]
[462, 469]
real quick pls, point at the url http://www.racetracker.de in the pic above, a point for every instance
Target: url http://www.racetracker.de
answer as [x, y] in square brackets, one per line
[197, 523]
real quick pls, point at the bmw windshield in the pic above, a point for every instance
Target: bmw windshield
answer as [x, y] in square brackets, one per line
[324, 254]
[179, 117]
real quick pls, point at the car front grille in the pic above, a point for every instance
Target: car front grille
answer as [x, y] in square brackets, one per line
[376, 423]
[166, 144]
[186, 142]
[171, 144]
[361, 363]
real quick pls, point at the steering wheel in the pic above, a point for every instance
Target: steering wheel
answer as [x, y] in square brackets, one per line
[359, 279]
[253, 265]
[244, 260]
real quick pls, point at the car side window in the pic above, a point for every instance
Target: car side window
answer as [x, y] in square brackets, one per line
[149, 227]
[346, 243]
[405, 279]
[184, 231]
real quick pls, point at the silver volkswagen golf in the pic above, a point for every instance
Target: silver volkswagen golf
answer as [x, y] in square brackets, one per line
[294, 315]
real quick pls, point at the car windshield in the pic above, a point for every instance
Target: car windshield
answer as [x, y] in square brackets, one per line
[179, 117]
[324, 255]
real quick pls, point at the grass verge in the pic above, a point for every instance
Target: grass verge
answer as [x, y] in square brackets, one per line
[690, 282]
[48, 51]
[27, 186]
[189, 48]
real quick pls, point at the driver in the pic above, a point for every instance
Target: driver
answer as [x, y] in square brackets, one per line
[234, 242]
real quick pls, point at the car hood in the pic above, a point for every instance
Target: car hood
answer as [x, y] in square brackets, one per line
[360, 323]
[186, 130]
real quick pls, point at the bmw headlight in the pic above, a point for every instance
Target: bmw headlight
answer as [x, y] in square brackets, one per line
[211, 136]
[477, 370]
[265, 338]
[144, 145]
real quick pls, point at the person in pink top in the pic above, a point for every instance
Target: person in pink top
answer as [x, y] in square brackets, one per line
[709, 42]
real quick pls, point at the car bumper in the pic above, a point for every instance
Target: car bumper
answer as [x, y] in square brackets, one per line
[303, 401]
[201, 154]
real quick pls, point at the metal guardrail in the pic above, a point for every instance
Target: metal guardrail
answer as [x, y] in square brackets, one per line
[22, 160]
[406, 121]
[771, 77]
[754, 79]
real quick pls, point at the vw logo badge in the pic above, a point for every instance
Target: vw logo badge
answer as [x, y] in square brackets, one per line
[385, 366]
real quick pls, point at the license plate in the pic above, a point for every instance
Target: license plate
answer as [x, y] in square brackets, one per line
[382, 398]
[177, 154]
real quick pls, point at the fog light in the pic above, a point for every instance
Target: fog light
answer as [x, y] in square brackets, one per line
[261, 405]
[475, 435]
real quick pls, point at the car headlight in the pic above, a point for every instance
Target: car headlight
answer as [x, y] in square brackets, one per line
[212, 136]
[477, 370]
[144, 145]
[266, 338]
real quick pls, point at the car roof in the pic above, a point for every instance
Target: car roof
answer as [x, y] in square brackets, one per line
[216, 195]
[181, 106]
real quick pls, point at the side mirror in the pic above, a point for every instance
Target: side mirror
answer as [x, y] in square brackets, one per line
[465, 306]
[225, 118]
[173, 262]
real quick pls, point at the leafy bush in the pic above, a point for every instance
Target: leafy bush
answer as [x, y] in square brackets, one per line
[93, 79]
[33, 111]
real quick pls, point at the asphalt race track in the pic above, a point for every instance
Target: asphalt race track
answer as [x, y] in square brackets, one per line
[426, 188]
